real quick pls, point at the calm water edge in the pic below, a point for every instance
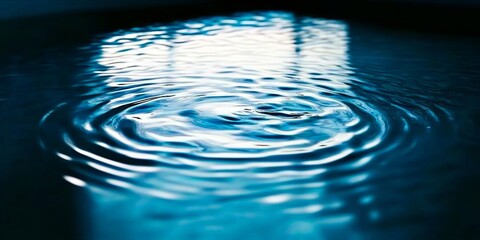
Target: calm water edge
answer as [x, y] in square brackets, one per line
[256, 125]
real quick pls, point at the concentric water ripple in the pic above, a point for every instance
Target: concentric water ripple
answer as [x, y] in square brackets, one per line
[256, 106]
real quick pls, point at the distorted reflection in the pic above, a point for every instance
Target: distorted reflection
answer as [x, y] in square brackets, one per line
[208, 128]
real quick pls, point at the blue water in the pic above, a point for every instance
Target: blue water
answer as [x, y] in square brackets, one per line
[266, 125]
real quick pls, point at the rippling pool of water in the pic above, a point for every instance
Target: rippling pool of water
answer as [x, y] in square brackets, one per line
[264, 125]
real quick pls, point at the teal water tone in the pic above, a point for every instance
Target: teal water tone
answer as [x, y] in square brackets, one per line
[266, 125]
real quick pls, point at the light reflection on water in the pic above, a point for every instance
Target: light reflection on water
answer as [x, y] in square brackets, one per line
[252, 126]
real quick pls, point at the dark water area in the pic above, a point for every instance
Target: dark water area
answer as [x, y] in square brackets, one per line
[255, 125]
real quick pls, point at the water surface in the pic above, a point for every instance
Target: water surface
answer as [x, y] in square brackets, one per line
[266, 125]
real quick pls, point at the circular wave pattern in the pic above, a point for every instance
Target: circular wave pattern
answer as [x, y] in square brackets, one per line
[251, 106]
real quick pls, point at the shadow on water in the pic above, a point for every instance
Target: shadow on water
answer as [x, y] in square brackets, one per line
[435, 70]
[430, 193]
[33, 202]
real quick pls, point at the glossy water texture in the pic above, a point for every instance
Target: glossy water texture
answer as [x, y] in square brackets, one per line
[258, 126]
